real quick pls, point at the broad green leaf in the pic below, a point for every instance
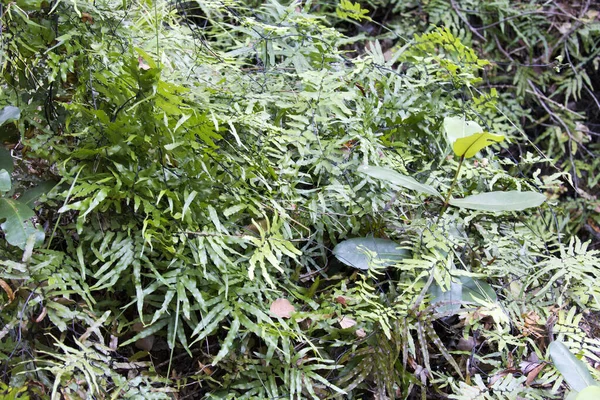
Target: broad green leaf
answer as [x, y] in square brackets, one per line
[31, 195]
[5, 184]
[457, 128]
[9, 113]
[463, 290]
[470, 145]
[16, 226]
[574, 371]
[500, 201]
[450, 300]
[395, 178]
[475, 290]
[589, 393]
[362, 253]
[6, 160]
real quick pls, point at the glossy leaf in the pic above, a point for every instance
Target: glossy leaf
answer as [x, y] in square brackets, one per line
[462, 290]
[574, 371]
[500, 201]
[6, 161]
[470, 145]
[31, 195]
[476, 290]
[589, 393]
[16, 226]
[357, 252]
[5, 184]
[9, 113]
[395, 178]
[458, 127]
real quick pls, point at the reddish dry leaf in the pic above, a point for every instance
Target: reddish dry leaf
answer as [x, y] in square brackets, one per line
[346, 322]
[204, 368]
[466, 344]
[342, 300]
[86, 17]
[146, 343]
[282, 308]
[534, 373]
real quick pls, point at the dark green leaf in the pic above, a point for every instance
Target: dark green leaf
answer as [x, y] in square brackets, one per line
[9, 113]
[5, 183]
[16, 226]
[30, 196]
[6, 161]
[362, 253]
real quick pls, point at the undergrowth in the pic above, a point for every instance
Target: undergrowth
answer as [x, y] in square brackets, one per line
[191, 178]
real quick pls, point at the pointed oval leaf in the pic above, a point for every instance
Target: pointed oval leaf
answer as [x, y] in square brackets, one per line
[589, 393]
[9, 113]
[16, 226]
[362, 253]
[31, 195]
[574, 371]
[6, 160]
[458, 127]
[450, 300]
[5, 184]
[394, 177]
[470, 145]
[476, 290]
[500, 201]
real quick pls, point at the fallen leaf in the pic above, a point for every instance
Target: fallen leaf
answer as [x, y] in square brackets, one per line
[347, 322]
[204, 368]
[532, 372]
[8, 290]
[342, 300]
[466, 344]
[86, 17]
[146, 343]
[282, 308]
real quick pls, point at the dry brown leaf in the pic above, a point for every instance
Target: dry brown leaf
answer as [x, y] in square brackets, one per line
[8, 290]
[466, 344]
[342, 300]
[204, 368]
[282, 308]
[86, 17]
[531, 375]
[146, 343]
[346, 322]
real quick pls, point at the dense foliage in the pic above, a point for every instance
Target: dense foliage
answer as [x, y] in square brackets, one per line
[198, 200]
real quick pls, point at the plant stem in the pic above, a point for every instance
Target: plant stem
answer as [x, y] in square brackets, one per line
[447, 199]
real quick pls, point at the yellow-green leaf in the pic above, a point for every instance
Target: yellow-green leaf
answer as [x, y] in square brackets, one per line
[470, 145]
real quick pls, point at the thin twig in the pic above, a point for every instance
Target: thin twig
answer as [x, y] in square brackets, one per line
[466, 21]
